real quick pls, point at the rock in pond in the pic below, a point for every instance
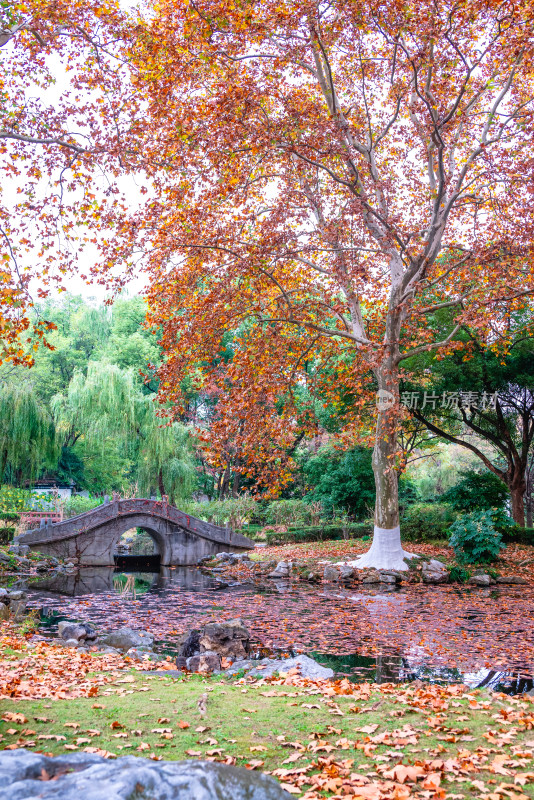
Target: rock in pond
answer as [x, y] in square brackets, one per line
[346, 572]
[25, 776]
[208, 661]
[435, 572]
[306, 666]
[126, 638]
[331, 573]
[282, 570]
[71, 630]
[228, 639]
[480, 579]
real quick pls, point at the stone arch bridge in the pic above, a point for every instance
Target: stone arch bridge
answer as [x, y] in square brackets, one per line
[93, 537]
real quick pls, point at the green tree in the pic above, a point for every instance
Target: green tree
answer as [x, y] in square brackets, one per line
[342, 480]
[130, 343]
[494, 417]
[81, 332]
[114, 428]
[477, 491]
[27, 436]
[166, 460]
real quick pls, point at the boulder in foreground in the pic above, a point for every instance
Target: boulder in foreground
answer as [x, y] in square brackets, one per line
[26, 776]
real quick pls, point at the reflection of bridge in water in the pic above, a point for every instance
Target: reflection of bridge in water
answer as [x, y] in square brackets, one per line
[93, 537]
[103, 580]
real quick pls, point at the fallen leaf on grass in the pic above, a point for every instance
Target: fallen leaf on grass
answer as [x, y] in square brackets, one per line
[99, 752]
[13, 716]
[524, 777]
[293, 757]
[368, 729]
[57, 737]
[432, 781]
[290, 788]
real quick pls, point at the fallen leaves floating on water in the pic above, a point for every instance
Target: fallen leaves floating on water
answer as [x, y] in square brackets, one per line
[437, 626]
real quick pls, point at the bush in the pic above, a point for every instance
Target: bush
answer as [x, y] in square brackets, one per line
[234, 512]
[459, 574]
[13, 499]
[517, 535]
[79, 504]
[319, 533]
[6, 535]
[477, 491]
[424, 521]
[474, 538]
[510, 530]
[9, 516]
[293, 512]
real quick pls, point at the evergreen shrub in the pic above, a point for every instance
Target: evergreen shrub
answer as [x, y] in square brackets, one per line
[423, 521]
[475, 539]
[476, 491]
[6, 535]
[319, 533]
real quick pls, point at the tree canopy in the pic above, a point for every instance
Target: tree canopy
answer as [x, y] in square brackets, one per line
[344, 171]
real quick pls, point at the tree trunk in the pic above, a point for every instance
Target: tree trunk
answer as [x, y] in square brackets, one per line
[235, 484]
[386, 550]
[161, 485]
[517, 494]
[224, 483]
[529, 505]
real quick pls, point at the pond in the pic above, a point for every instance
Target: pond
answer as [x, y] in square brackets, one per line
[482, 637]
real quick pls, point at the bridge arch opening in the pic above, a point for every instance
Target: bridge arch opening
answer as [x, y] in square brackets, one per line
[138, 542]
[138, 548]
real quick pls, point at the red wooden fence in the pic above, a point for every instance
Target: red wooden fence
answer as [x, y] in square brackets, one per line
[30, 518]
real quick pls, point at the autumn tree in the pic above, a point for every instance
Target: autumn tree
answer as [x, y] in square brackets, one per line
[330, 174]
[60, 144]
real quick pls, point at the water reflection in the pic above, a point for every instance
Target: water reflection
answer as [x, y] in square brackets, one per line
[391, 666]
[110, 580]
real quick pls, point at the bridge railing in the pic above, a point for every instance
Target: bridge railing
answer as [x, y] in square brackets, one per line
[37, 518]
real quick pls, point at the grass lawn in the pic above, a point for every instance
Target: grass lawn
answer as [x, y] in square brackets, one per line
[327, 739]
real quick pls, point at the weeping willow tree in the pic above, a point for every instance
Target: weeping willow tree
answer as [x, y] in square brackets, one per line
[28, 441]
[166, 461]
[107, 409]
[100, 405]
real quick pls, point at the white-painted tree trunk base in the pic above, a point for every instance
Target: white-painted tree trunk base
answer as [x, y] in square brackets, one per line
[386, 551]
